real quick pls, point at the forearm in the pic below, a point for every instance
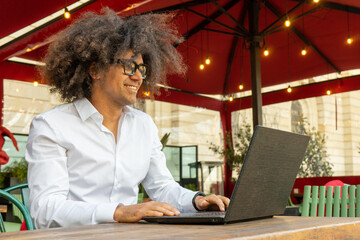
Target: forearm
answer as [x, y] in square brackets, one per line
[55, 211]
[160, 184]
[172, 193]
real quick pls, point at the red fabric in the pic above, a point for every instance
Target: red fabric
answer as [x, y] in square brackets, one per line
[334, 183]
[23, 226]
[4, 132]
[320, 181]
[325, 29]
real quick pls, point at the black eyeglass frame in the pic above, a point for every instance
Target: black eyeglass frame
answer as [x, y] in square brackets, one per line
[133, 70]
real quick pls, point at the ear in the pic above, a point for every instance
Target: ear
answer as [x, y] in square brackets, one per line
[93, 71]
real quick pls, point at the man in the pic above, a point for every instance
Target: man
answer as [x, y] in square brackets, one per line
[87, 157]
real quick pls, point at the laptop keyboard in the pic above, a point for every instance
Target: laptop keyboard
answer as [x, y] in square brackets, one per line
[204, 214]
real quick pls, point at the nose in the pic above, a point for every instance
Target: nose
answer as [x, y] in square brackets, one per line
[137, 76]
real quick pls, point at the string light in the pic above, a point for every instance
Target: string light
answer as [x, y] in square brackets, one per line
[266, 52]
[289, 89]
[231, 98]
[328, 92]
[349, 40]
[241, 86]
[66, 13]
[303, 52]
[36, 83]
[201, 53]
[207, 61]
[316, 1]
[146, 93]
[287, 22]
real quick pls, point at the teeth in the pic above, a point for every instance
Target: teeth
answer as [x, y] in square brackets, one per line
[132, 87]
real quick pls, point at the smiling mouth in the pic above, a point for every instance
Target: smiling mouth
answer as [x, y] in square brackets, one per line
[131, 87]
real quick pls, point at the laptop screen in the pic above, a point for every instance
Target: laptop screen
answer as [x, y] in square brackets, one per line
[267, 175]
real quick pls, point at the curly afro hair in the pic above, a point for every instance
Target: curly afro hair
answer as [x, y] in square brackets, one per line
[99, 38]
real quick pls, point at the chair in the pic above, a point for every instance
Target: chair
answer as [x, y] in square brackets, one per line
[293, 205]
[24, 208]
[344, 201]
[140, 197]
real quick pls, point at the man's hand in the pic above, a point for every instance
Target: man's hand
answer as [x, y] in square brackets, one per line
[212, 202]
[134, 213]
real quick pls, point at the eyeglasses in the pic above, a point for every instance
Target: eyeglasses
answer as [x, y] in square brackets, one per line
[130, 67]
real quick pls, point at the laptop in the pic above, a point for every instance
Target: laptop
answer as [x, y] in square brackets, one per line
[264, 184]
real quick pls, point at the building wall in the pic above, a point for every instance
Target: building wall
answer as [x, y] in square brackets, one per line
[23, 101]
[192, 126]
[351, 124]
[187, 126]
[337, 116]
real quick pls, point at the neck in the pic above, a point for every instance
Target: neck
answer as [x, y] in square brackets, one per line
[110, 112]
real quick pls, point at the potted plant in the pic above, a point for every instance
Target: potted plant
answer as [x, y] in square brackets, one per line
[14, 173]
[315, 163]
[234, 151]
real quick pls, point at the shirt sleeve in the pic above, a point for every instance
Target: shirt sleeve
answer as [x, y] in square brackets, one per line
[160, 184]
[49, 183]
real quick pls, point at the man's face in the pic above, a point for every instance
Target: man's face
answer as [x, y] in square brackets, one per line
[118, 87]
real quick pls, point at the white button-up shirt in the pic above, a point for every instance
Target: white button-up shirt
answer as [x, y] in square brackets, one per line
[78, 174]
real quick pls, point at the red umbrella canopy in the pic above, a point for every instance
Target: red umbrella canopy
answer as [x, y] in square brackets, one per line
[220, 30]
[321, 29]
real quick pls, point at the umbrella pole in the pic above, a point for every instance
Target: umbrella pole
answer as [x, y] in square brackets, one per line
[254, 42]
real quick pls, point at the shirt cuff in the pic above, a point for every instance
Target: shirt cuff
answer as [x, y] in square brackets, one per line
[105, 213]
[193, 200]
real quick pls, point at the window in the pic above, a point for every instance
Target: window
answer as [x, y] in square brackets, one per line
[296, 112]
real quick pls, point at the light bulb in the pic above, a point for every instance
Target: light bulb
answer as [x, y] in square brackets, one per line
[349, 40]
[231, 98]
[241, 87]
[202, 66]
[36, 83]
[287, 22]
[66, 13]
[303, 52]
[266, 52]
[328, 92]
[146, 93]
[207, 61]
[289, 89]
[316, 1]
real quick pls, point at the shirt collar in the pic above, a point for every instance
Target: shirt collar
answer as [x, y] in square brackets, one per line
[126, 109]
[85, 108]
